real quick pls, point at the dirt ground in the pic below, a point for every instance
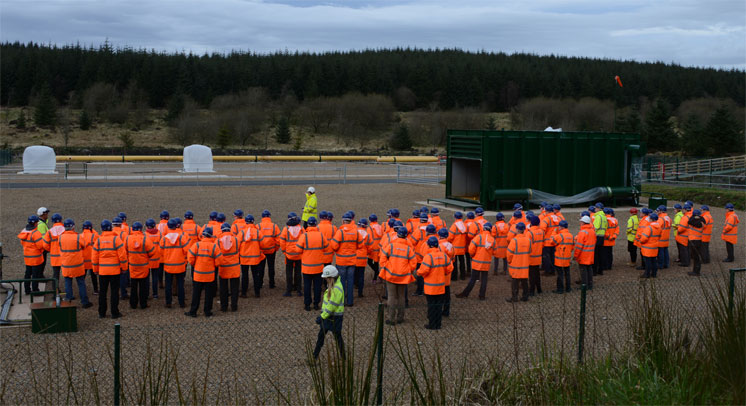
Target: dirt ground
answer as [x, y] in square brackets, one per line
[263, 343]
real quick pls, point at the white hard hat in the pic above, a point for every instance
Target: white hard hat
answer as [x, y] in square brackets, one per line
[311, 189]
[41, 211]
[585, 219]
[330, 271]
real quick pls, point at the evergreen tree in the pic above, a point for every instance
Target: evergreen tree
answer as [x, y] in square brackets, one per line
[45, 113]
[224, 137]
[724, 133]
[21, 121]
[629, 123]
[658, 131]
[175, 107]
[692, 142]
[401, 140]
[282, 131]
[491, 123]
[84, 120]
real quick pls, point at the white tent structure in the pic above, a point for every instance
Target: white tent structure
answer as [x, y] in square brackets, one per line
[197, 158]
[38, 159]
[550, 129]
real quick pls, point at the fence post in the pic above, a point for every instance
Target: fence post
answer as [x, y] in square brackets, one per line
[117, 353]
[710, 172]
[398, 172]
[379, 345]
[345, 178]
[581, 327]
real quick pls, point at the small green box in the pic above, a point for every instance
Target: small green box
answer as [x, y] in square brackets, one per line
[656, 199]
[46, 317]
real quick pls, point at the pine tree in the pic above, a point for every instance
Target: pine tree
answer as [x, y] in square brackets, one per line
[21, 121]
[84, 121]
[224, 137]
[692, 142]
[282, 132]
[658, 131]
[491, 123]
[401, 139]
[45, 113]
[175, 107]
[724, 133]
[629, 123]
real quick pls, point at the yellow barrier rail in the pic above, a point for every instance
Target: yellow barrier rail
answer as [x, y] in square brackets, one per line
[249, 158]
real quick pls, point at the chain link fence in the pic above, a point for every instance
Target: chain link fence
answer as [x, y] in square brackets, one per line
[259, 358]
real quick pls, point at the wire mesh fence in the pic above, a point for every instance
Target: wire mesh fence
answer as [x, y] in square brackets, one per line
[265, 358]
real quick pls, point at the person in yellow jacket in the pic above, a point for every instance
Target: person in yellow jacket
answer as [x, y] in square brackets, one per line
[332, 311]
[600, 225]
[632, 224]
[311, 207]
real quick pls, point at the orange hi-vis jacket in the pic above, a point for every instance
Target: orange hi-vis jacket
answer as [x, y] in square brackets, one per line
[560, 215]
[417, 238]
[549, 224]
[89, 236]
[513, 231]
[289, 241]
[388, 237]
[376, 233]
[363, 249]
[682, 233]
[435, 268]
[328, 230]
[472, 230]
[446, 247]
[162, 226]
[514, 220]
[564, 243]
[120, 231]
[229, 263]
[109, 254]
[665, 223]
[238, 226]
[139, 252]
[649, 237]
[204, 256]
[52, 243]
[482, 249]
[33, 246]
[174, 250]
[643, 222]
[421, 249]
[481, 221]
[268, 234]
[439, 222]
[126, 227]
[500, 234]
[457, 236]
[695, 234]
[155, 237]
[585, 244]
[612, 231]
[312, 245]
[212, 224]
[250, 247]
[345, 244]
[397, 262]
[519, 255]
[71, 254]
[537, 243]
[709, 222]
[730, 230]
[192, 230]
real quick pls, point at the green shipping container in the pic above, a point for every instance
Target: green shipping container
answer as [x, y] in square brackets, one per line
[499, 168]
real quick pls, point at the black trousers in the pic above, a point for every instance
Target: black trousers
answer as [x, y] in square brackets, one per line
[179, 285]
[374, 266]
[534, 279]
[632, 249]
[563, 272]
[598, 256]
[705, 252]
[523, 282]
[333, 324]
[729, 250]
[94, 279]
[447, 302]
[651, 266]
[683, 254]
[695, 252]
[56, 275]
[269, 261]
[257, 274]
[229, 286]
[311, 281]
[197, 288]
[608, 257]
[33, 272]
[245, 279]
[139, 292]
[468, 264]
[360, 279]
[435, 310]
[547, 260]
[586, 275]
[292, 275]
[497, 265]
[482, 276]
[459, 268]
[109, 285]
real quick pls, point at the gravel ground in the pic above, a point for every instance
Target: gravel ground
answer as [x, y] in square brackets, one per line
[262, 344]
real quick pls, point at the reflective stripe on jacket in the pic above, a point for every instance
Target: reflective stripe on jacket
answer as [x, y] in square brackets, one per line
[519, 254]
[109, 255]
[139, 251]
[435, 268]
[312, 245]
[203, 256]
[334, 301]
[397, 262]
[33, 246]
[71, 254]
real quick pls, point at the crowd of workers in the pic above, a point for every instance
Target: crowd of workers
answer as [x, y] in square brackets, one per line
[131, 261]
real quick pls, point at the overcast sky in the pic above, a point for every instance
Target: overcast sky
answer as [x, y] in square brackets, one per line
[687, 32]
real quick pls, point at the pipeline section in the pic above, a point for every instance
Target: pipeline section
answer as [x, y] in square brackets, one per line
[537, 196]
[250, 158]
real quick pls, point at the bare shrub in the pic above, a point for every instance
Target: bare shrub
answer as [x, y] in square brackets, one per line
[99, 97]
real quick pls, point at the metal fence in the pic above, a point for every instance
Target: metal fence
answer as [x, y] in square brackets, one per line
[729, 173]
[6, 157]
[261, 356]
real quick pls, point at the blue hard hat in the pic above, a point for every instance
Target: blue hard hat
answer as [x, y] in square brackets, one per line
[312, 221]
[424, 218]
[424, 209]
[529, 213]
[213, 215]
[188, 214]
[322, 214]
[479, 211]
[517, 206]
[178, 221]
[549, 208]
[458, 215]
[543, 204]
[443, 233]
[398, 223]
[391, 222]
[705, 207]
[689, 202]
[69, 224]
[646, 210]
[220, 217]
[105, 225]
[563, 224]
[207, 232]
[600, 205]
[470, 215]
[611, 211]
[137, 226]
[687, 206]
[56, 218]
[347, 216]
[363, 222]
[395, 212]
[730, 206]
[416, 213]
[585, 213]
[238, 213]
[661, 208]
[172, 224]
[373, 217]
[517, 214]
[352, 213]
[292, 214]
[329, 215]
[534, 221]
[225, 227]
[653, 216]
[696, 212]
[556, 207]
[87, 225]
[430, 229]
[607, 210]
[33, 219]
[592, 209]
[432, 242]
[123, 215]
[520, 227]
[401, 232]
[249, 219]
[116, 220]
[500, 216]
[165, 215]
[434, 210]
[487, 226]
[677, 206]
[150, 223]
[266, 213]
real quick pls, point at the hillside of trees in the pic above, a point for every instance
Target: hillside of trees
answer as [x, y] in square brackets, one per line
[238, 98]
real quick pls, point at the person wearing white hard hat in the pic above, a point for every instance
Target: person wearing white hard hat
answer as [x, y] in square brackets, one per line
[332, 311]
[311, 207]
